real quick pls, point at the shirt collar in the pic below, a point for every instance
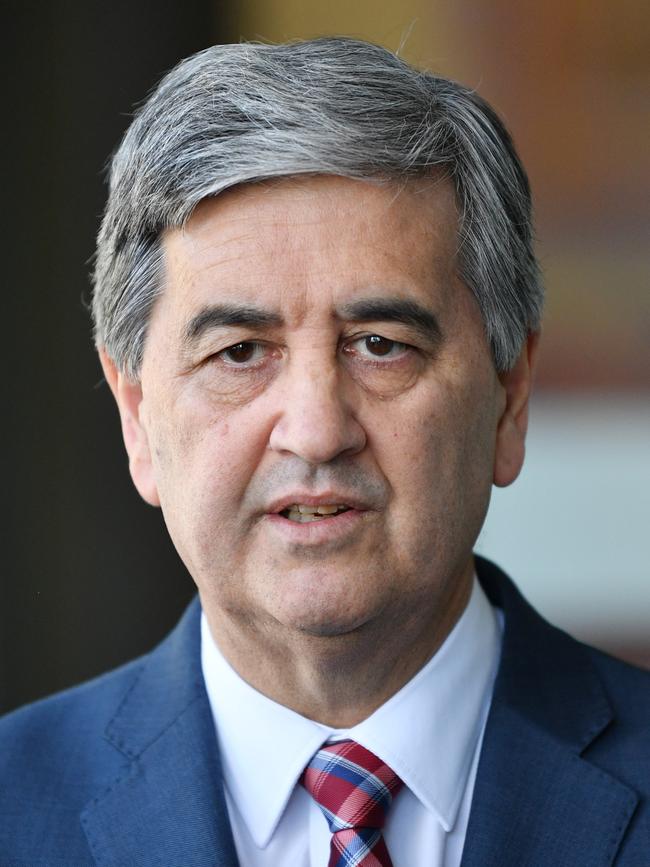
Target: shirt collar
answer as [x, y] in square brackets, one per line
[427, 732]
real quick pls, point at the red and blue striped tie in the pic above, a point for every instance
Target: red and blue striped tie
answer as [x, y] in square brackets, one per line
[354, 789]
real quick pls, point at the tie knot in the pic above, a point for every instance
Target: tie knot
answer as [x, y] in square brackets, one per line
[351, 785]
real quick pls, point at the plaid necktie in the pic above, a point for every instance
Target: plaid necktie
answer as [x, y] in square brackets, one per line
[354, 789]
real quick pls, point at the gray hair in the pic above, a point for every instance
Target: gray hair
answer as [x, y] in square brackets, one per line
[243, 113]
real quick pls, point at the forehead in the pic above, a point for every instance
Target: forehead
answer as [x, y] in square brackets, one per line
[325, 233]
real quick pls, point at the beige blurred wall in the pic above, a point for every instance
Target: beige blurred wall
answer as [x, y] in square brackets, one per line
[419, 30]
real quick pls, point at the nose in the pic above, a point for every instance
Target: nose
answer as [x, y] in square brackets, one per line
[316, 421]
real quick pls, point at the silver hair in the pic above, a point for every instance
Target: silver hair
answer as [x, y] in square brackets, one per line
[243, 113]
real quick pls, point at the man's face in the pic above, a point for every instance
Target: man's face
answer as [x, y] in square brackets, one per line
[318, 414]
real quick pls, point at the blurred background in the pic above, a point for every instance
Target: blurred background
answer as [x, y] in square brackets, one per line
[90, 578]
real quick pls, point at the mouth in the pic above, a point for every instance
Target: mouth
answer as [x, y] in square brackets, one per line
[317, 521]
[301, 513]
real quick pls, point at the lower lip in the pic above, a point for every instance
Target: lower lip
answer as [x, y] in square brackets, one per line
[325, 529]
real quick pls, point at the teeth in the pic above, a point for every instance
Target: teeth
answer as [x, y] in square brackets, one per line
[328, 510]
[325, 509]
[303, 519]
[305, 510]
[304, 514]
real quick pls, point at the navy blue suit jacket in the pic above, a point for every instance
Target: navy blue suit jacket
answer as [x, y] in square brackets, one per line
[124, 771]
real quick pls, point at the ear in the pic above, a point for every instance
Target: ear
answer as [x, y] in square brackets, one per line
[128, 396]
[513, 423]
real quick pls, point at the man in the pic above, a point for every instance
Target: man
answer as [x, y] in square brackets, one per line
[317, 305]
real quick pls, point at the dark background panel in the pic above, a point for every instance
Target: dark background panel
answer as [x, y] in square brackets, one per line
[89, 576]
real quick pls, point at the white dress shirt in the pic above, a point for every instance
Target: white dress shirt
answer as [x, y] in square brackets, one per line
[429, 733]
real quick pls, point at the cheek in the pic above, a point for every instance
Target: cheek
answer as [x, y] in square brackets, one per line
[199, 481]
[438, 454]
[201, 462]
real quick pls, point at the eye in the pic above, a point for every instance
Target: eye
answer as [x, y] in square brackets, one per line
[241, 354]
[378, 347]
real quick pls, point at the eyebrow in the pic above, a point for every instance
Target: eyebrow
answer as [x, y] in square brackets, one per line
[365, 310]
[394, 310]
[228, 315]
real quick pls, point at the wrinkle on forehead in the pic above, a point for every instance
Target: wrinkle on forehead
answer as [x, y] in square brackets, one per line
[275, 204]
[265, 218]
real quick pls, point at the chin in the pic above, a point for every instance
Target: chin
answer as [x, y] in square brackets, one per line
[327, 628]
[323, 621]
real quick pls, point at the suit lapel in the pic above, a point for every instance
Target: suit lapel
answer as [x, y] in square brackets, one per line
[537, 799]
[169, 807]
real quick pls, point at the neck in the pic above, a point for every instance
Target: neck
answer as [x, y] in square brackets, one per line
[338, 680]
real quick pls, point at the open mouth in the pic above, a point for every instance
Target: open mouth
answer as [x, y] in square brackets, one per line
[306, 514]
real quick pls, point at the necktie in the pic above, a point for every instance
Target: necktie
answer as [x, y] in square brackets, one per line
[354, 789]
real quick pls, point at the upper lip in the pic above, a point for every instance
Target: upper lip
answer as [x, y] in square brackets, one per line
[330, 498]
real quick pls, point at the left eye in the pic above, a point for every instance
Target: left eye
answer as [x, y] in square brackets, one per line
[243, 353]
[378, 346]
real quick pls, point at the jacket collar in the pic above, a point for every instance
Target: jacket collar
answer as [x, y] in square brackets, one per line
[537, 798]
[168, 807]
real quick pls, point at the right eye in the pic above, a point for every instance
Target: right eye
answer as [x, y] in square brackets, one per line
[242, 354]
